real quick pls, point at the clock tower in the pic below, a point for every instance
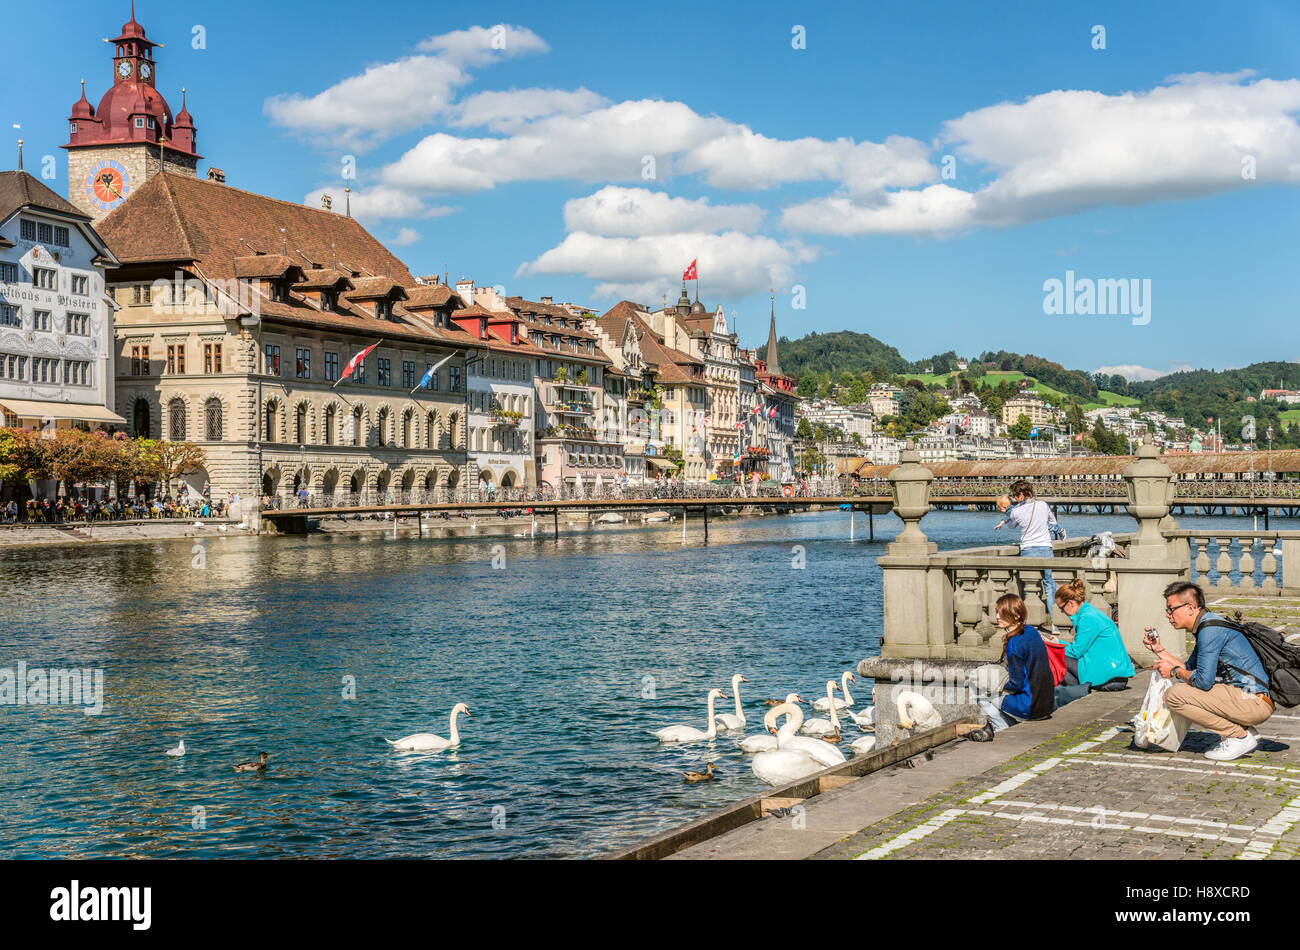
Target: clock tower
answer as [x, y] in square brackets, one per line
[132, 136]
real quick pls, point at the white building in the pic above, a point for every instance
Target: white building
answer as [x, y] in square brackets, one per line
[56, 324]
[850, 419]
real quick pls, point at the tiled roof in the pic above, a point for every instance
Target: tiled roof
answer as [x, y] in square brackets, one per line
[369, 288]
[21, 190]
[265, 266]
[425, 295]
[323, 279]
[178, 218]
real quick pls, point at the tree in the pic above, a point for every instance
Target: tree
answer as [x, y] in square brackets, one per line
[167, 462]
[804, 430]
[808, 385]
[1021, 428]
[857, 392]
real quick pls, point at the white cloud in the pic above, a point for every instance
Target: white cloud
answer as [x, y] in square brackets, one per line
[377, 204]
[731, 264]
[389, 98]
[1132, 372]
[630, 212]
[405, 238]
[934, 210]
[508, 111]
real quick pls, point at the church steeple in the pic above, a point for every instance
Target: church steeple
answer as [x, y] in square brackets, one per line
[773, 364]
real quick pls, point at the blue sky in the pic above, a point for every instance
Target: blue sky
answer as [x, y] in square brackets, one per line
[517, 156]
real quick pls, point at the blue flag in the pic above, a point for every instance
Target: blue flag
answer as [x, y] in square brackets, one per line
[1033, 433]
[429, 374]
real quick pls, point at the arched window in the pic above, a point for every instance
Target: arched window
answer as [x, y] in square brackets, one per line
[406, 429]
[357, 419]
[212, 415]
[431, 430]
[383, 426]
[331, 420]
[453, 429]
[272, 422]
[300, 425]
[176, 412]
[140, 419]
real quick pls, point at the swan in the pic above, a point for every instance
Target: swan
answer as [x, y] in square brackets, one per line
[427, 741]
[863, 746]
[766, 741]
[690, 733]
[785, 765]
[916, 712]
[816, 749]
[822, 705]
[177, 752]
[865, 720]
[736, 720]
[824, 727]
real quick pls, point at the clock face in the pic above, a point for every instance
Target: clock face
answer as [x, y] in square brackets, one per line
[124, 68]
[145, 70]
[107, 185]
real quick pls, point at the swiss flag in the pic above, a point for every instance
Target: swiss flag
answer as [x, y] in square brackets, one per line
[771, 413]
[356, 361]
[1079, 437]
[689, 273]
[757, 410]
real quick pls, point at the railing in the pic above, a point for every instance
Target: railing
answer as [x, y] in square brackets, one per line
[1114, 489]
[1234, 561]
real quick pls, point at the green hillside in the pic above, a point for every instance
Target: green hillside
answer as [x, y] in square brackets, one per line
[839, 352]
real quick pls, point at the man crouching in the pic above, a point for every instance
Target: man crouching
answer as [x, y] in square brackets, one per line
[1235, 704]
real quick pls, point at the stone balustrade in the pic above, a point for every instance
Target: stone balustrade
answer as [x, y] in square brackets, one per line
[1233, 561]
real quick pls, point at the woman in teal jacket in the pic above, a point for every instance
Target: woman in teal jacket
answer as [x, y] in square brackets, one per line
[1097, 657]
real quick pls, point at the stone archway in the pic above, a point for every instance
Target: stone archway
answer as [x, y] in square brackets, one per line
[330, 483]
[509, 479]
[271, 479]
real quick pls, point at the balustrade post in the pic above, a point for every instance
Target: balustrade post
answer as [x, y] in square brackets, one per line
[1151, 564]
[917, 592]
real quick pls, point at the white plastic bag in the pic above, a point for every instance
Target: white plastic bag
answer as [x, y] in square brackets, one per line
[1155, 726]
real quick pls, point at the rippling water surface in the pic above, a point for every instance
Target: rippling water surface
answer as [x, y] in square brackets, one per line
[551, 653]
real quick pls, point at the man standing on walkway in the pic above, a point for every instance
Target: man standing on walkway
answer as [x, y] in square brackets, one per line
[1034, 519]
[1233, 707]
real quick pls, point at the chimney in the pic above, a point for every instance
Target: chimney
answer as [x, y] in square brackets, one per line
[548, 300]
[327, 202]
[217, 175]
[465, 288]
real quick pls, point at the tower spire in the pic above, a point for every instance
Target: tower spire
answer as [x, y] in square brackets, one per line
[773, 364]
[20, 154]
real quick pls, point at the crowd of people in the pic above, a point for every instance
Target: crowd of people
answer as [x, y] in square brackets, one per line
[1222, 686]
[63, 510]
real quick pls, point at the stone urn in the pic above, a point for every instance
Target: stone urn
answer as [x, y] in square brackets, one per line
[1150, 485]
[909, 483]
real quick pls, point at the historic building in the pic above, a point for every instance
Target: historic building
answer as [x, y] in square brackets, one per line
[56, 324]
[239, 317]
[779, 400]
[132, 136]
[630, 388]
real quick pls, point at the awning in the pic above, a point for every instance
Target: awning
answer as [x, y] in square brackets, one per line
[655, 461]
[30, 409]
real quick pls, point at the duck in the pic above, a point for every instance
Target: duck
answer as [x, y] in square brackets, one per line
[177, 752]
[785, 765]
[865, 720]
[690, 733]
[427, 741]
[705, 776]
[734, 720]
[821, 705]
[258, 766]
[916, 712]
[824, 727]
[822, 752]
[863, 745]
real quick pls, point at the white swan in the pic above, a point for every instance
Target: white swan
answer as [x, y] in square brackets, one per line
[862, 746]
[177, 752]
[865, 720]
[766, 741]
[822, 752]
[427, 741]
[736, 720]
[690, 733]
[916, 712]
[822, 705]
[824, 727]
[785, 765]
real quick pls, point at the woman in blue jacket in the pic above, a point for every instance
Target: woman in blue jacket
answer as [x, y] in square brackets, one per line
[1097, 658]
[1028, 690]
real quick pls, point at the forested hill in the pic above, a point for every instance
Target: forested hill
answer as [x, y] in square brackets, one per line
[842, 351]
[1203, 393]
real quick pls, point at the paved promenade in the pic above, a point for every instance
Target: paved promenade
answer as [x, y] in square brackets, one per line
[1069, 787]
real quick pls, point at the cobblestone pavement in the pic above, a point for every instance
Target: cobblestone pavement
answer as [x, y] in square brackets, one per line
[1088, 794]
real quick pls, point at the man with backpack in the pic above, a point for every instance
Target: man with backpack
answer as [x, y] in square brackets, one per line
[1223, 685]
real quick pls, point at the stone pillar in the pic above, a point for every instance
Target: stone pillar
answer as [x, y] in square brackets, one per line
[1151, 564]
[918, 601]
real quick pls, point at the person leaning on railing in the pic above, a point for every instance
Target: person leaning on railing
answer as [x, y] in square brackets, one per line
[1233, 707]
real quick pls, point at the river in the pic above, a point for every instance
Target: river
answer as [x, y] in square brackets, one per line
[568, 654]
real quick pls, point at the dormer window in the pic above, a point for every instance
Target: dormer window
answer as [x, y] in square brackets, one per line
[150, 123]
[384, 309]
[327, 300]
[482, 328]
[139, 122]
[514, 333]
[279, 291]
[74, 128]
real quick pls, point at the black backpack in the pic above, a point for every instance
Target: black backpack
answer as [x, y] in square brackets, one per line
[1281, 660]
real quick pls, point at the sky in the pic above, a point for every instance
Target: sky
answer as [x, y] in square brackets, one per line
[921, 172]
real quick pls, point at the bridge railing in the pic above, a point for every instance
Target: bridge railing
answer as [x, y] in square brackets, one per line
[1234, 561]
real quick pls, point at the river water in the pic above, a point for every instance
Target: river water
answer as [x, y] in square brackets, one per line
[568, 655]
